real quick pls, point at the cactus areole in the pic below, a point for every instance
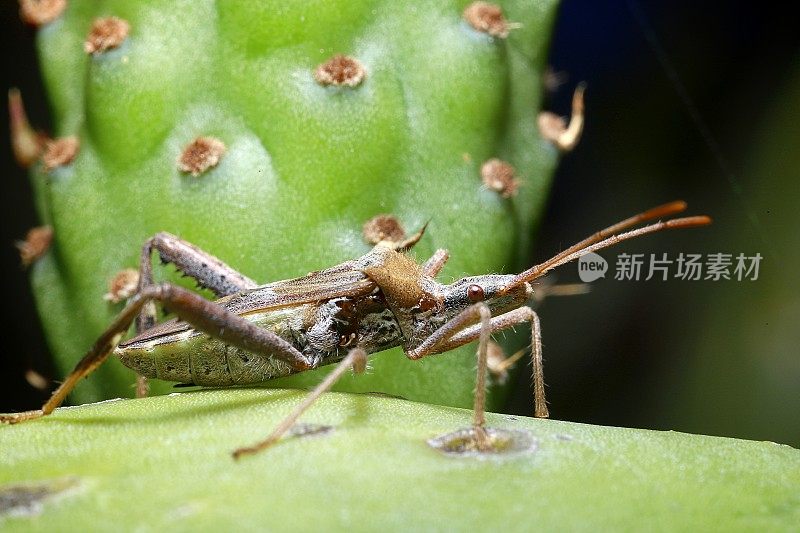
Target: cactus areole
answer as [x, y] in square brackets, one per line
[270, 136]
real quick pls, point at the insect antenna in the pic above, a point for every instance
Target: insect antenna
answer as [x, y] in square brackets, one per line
[611, 236]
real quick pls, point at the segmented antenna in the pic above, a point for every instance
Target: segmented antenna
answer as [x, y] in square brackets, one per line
[611, 236]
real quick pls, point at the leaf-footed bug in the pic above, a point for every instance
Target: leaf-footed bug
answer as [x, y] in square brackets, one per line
[383, 299]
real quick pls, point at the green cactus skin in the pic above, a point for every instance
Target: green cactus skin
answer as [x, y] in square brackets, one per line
[305, 165]
[165, 462]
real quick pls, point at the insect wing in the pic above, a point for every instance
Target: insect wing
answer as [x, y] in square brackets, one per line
[336, 282]
[345, 279]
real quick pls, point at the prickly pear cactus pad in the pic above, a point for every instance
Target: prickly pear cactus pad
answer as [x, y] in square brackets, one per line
[268, 134]
[376, 464]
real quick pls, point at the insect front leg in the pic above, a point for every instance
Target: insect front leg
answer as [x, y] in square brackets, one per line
[204, 315]
[465, 320]
[507, 321]
[355, 359]
[548, 288]
[207, 270]
[463, 329]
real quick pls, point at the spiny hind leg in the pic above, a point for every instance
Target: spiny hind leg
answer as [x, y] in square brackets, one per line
[97, 354]
[355, 359]
[207, 270]
[206, 316]
[196, 263]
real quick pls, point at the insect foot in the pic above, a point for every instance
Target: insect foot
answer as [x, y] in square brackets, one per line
[15, 418]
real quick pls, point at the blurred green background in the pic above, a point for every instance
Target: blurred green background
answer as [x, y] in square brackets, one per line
[684, 101]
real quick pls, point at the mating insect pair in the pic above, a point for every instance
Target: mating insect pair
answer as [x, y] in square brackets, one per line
[383, 299]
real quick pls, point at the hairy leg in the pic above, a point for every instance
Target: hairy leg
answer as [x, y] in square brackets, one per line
[196, 263]
[463, 329]
[434, 265]
[204, 315]
[355, 359]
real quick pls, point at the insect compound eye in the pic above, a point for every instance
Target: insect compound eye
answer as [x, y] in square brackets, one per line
[475, 293]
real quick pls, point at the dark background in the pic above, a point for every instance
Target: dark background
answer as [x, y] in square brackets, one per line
[685, 100]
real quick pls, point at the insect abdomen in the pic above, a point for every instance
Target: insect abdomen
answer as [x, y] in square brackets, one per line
[211, 363]
[192, 357]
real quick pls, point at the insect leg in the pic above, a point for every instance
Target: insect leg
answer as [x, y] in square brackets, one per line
[548, 288]
[479, 408]
[434, 265]
[355, 359]
[142, 386]
[204, 315]
[469, 332]
[209, 272]
[433, 344]
[97, 354]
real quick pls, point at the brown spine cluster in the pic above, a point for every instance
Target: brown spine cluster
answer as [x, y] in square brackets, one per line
[106, 33]
[122, 286]
[202, 154]
[36, 243]
[340, 71]
[500, 177]
[383, 228]
[41, 12]
[487, 18]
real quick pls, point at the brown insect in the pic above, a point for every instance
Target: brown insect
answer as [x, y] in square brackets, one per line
[383, 299]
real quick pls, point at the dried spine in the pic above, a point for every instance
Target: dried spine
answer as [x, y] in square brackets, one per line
[26, 144]
[555, 129]
[36, 380]
[60, 152]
